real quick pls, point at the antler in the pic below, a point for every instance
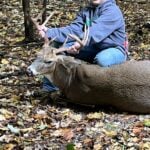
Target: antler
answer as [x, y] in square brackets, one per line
[35, 20]
[44, 53]
[85, 36]
[83, 42]
[36, 23]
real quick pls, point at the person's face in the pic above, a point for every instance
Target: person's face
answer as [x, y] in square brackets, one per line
[97, 2]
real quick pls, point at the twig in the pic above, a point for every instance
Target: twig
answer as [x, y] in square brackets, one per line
[17, 73]
[21, 45]
[5, 96]
[23, 84]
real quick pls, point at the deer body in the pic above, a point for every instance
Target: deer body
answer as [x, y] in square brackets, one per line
[125, 86]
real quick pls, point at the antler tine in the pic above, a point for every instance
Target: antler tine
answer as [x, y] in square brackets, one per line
[45, 22]
[75, 38]
[34, 20]
[65, 41]
[52, 39]
[47, 41]
[39, 15]
[46, 48]
[62, 48]
[86, 34]
[82, 42]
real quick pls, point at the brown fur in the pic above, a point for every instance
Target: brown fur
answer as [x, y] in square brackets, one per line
[125, 86]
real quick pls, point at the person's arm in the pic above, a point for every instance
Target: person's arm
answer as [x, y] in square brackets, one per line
[61, 33]
[110, 20]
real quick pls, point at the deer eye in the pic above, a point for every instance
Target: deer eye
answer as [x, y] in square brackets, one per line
[47, 62]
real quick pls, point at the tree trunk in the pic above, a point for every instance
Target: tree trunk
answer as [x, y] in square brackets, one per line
[29, 33]
[44, 13]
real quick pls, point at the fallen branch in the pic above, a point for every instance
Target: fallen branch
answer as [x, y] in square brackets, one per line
[21, 45]
[17, 73]
[23, 84]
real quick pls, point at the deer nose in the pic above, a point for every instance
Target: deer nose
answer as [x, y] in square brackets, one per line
[29, 71]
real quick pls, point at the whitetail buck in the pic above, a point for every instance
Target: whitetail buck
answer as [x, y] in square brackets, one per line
[125, 86]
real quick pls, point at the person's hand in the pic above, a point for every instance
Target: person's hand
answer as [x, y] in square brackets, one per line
[42, 30]
[74, 49]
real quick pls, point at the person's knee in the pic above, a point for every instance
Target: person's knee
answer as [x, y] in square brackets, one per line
[109, 57]
[103, 60]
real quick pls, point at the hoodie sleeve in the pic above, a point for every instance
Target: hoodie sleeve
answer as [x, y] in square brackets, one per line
[110, 20]
[61, 33]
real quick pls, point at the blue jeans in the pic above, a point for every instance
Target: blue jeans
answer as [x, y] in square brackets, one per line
[110, 57]
[105, 58]
[48, 86]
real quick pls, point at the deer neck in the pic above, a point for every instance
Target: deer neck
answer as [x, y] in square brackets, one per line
[64, 74]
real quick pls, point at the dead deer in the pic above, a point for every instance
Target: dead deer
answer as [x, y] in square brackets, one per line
[125, 86]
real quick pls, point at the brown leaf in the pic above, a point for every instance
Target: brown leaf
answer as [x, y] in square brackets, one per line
[95, 115]
[26, 130]
[40, 116]
[4, 61]
[145, 146]
[87, 141]
[137, 130]
[67, 134]
[9, 147]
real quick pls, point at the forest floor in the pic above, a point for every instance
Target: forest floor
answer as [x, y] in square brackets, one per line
[26, 123]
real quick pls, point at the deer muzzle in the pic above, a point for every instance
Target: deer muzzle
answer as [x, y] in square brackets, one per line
[31, 71]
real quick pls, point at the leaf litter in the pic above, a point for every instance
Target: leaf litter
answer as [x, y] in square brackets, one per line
[27, 124]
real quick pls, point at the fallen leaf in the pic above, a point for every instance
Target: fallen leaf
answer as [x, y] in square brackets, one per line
[110, 133]
[9, 146]
[57, 133]
[4, 61]
[137, 130]
[26, 130]
[97, 147]
[2, 118]
[40, 116]
[13, 129]
[3, 128]
[67, 134]
[147, 122]
[87, 141]
[76, 117]
[145, 146]
[6, 138]
[70, 146]
[42, 126]
[6, 113]
[95, 115]
[15, 98]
